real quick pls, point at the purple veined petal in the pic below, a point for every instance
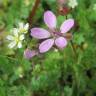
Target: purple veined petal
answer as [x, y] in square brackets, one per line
[50, 19]
[46, 45]
[28, 54]
[39, 33]
[61, 42]
[67, 25]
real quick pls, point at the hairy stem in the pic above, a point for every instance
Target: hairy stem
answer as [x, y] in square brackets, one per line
[33, 11]
[74, 49]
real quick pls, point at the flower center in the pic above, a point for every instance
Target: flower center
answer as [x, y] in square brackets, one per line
[57, 33]
[17, 39]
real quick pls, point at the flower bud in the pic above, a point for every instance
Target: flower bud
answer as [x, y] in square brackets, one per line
[28, 54]
[85, 45]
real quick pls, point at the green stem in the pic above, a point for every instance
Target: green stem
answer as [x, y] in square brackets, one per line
[62, 81]
[74, 49]
[9, 58]
[76, 82]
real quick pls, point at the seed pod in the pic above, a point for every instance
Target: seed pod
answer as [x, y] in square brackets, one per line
[64, 10]
[68, 36]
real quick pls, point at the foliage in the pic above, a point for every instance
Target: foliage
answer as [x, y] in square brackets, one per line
[70, 72]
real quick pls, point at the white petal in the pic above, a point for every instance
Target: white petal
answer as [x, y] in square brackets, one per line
[10, 37]
[21, 37]
[15, 32]
[21, 25]
[73, 3]
[12, 44]
[26, 26]
[19, 45]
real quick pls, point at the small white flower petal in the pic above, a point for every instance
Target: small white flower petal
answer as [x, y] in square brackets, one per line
[23, 28]
[21, 37]
[15, 32]
[19, 45]
[10, 37]
[12, 44]
[26, 26]
[21, 25]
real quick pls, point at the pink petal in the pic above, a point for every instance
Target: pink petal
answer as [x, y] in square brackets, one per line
[39, 33]
[46, 45]
[28, 54]
[61, 42]
[50, 19]
[67, 25]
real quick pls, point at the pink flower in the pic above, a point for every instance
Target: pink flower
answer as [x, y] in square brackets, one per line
[53, 36]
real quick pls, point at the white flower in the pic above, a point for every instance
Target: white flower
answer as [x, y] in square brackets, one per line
[94, 7]
[23, 28]
[72, 3]
[15, 39]
[17, 35]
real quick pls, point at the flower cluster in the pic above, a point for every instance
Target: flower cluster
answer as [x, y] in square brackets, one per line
[52, 37]
[17, 36]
